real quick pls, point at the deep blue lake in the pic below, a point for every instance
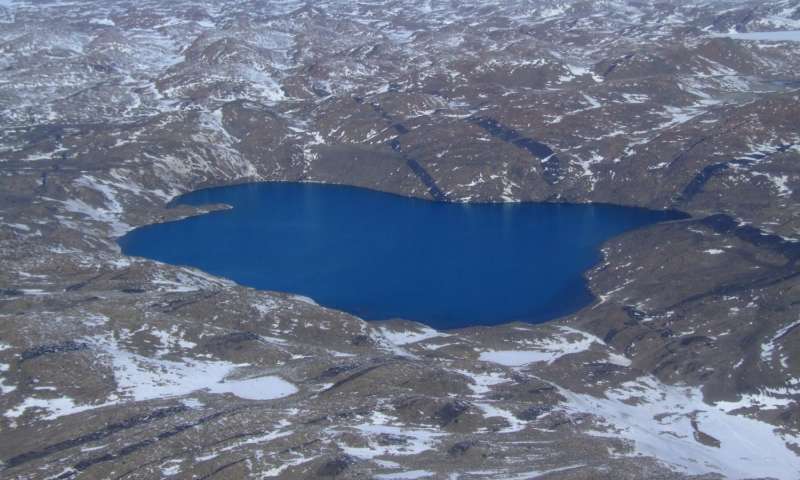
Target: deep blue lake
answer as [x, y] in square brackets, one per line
[382, 256]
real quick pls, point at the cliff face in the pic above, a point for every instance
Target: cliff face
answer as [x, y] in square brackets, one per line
[116, 367]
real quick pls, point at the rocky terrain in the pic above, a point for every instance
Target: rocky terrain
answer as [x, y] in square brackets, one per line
[686, 366]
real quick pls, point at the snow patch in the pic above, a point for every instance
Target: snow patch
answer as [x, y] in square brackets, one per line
[549, 350]
[783, 36]
[406, 337]
[665, 422]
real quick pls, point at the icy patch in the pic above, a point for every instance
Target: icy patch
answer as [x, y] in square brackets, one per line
[517, 358]
[418, 440]
[142, 378]
[768, 348]
[171, 468]
[55, 407]
[763, 400]
[406, 337]
[714, 251]
[193, 403]
[409, 475]
[394, 340]
[108, 216]
[578, 71]
[112, 210]
[586, 167]
[482, 382]
[635, 98]
[4, 367]
[784, 36]
[551, 349]
[19, 226]
[259, 388]
[171, 340]
[264, 305]
[550, 12]
[187, 280]
[304, 299]
[491, 411]
[780, 182]
[667, 422]
[679, 115]
[103, 21]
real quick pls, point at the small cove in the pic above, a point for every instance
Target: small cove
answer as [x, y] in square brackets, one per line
[382, 256]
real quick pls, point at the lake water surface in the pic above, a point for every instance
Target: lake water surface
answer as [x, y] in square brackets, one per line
[382, 256]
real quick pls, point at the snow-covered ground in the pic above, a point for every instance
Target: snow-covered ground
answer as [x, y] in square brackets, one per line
[780, 36]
